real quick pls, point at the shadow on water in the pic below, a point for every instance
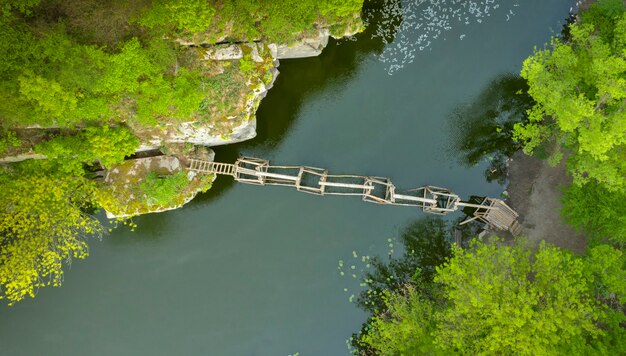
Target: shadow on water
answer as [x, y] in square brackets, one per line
[483, 128]
[150, 227]
[299, 80]
[427, 244]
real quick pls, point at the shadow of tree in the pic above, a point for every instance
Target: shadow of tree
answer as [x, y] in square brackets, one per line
[483, 128]
[427, 244]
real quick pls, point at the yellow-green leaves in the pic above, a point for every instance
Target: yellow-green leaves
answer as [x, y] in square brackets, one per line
[494, 299]
[109, 145]
[48, 96]
[580, 87]
[405, 328]
[41, 228]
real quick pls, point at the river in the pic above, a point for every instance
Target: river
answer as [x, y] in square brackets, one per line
[248, 270]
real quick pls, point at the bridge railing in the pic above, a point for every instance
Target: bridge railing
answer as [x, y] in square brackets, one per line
[379, 190]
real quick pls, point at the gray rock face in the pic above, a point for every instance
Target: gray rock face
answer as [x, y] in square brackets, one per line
[307, 47]
[227, 52]
[188, 132]
[22, 157]
[255, 47]
[224, 52]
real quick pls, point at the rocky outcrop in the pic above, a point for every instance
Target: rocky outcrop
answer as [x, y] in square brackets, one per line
[241, 126]
[122, 182]
[21, 157]
[306, 47]
[234, 51]
[203, 135]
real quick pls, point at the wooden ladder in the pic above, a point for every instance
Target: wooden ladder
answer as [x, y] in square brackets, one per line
[212, 167]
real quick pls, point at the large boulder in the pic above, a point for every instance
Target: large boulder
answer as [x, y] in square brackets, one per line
[235, 51]
[307, 47]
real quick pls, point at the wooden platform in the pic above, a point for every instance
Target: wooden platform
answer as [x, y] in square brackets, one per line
[497, 214]
[379, 190]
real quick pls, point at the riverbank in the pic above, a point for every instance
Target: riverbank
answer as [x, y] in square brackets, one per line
[165, 82]
[535, 192]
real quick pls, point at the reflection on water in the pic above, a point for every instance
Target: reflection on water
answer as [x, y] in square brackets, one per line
[427, 244]
[418, 24]
[299, 80]
[254, 272]
[482, 129]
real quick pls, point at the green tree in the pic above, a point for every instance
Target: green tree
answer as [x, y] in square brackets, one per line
[49, 97]
[182, 15]
[579, 87]
[497, 299]
[7, 7]
[597, 211]
[340, 8]
[108, 145]
[504, 301]
[42, 227]
[8, 140]
[405, 328]
[164, 191]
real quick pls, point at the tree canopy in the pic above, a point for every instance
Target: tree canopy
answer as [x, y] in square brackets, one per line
[497, 299]
[42, 226]
[579, 86]
[74, 67]
[92, 77]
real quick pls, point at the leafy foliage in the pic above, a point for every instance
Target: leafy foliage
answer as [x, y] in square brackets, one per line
[597, 211]
[42, 218]
[579, 87]
[280, 21]
[426, 246]
[494, 299]
[405, 328]
[109, 145]
[8, 140]
[498, 307]
[163, 191]
[20, 6]
[182, 15]
[42, 226]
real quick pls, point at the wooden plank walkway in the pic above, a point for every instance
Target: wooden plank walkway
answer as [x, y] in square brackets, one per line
[379, 190]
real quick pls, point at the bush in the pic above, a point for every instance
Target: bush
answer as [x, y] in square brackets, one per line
[109, 145]
[594, 209]
[164, 191]
[8, 140]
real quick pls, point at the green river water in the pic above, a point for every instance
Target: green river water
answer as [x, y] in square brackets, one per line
[247, 270]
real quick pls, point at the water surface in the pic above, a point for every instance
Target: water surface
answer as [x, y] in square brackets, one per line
[247, 270]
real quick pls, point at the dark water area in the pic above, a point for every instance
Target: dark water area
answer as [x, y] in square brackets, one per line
[248, 270]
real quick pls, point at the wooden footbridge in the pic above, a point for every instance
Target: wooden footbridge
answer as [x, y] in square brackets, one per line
[378, 190]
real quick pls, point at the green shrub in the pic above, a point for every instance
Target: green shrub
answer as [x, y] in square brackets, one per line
[164, 191]
[109, 145]
[247, 65]
[8, 140]
[594, 209]
[182, 15]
